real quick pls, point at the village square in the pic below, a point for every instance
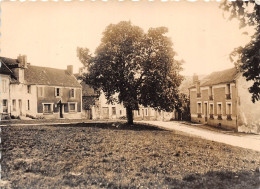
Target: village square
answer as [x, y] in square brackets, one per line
[130, 113]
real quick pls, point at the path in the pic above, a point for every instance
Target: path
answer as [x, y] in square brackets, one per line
[248, 141]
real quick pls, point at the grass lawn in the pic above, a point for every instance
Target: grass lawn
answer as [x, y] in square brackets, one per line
[106, 155]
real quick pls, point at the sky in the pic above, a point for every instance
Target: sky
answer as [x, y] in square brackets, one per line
[50, 32]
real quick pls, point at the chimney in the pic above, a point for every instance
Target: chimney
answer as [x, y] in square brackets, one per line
[22, 61]
[70, 69]
[195, 78]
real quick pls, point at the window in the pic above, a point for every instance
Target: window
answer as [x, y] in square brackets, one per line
[29, 89]
[199, 109]
[72, 107]
[228, 91]
[4, 85]
[138, 112]
[28, 104]
[113, 110]
[14, 104]
[219, 110]
[210, 93]
[72, 93]
[146, 112]
[120, 112]
[58, 92]
[211, 111]
[40, 91]
[47, 108]
[229, 110]
[5, 106]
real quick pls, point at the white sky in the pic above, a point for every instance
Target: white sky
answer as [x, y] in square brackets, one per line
[49, 32]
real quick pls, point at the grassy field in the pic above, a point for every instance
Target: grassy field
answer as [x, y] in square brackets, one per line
[106, 155]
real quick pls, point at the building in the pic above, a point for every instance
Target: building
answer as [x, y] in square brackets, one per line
[36, 91]
[222, 99]
[6, 75]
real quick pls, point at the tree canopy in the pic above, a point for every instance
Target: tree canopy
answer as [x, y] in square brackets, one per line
[248, 12]
[140, 67]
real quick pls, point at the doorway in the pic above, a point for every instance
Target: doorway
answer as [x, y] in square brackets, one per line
[206, 111]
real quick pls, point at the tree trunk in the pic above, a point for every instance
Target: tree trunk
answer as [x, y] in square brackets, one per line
[129, 113]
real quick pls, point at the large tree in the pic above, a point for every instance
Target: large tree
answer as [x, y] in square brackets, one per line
[248, 12]
[140, 67]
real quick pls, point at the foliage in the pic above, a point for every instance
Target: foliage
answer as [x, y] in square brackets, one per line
[248, 12]
[139, 66]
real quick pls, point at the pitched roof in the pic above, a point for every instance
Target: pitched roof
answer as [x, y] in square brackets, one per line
[49, 76]
[4, 69]
[219, 77]
[9, 62]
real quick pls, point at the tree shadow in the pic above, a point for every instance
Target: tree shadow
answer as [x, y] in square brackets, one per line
[114, 126]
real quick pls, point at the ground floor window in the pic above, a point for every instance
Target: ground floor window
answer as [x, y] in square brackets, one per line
[5, 105]
[199, 109]
[229, 110]
[72, 107]
[47, 108]
[14, 104]
[113, 110]
[28, 104]
[219, 110]
[211, 111]
[146, 112]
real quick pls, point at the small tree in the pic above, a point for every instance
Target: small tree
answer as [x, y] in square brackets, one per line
[248, 12]
[139, 67]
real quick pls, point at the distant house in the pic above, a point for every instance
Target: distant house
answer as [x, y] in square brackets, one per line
[222, 99]
[42, 92]
[6, 75]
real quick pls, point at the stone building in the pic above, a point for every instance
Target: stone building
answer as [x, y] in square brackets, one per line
[36, 91]
[222, 99]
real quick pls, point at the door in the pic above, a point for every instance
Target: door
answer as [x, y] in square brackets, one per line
[105, 113]
[206, 112]
[20, 106]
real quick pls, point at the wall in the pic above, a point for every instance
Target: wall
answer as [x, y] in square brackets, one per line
[49, 97]
[248, 112]
[6, 94]
[19, 93]
[219, 96]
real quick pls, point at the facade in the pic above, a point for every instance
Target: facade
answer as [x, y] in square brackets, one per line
[222, 99]
[45, 92]
[148, 113]
[5, 79]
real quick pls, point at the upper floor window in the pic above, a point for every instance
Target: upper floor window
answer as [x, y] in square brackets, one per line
[210, 93]
[57, 92]
[72, 93]
[228, 91]
[29, 89]
[40, 91]
[4, 85]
